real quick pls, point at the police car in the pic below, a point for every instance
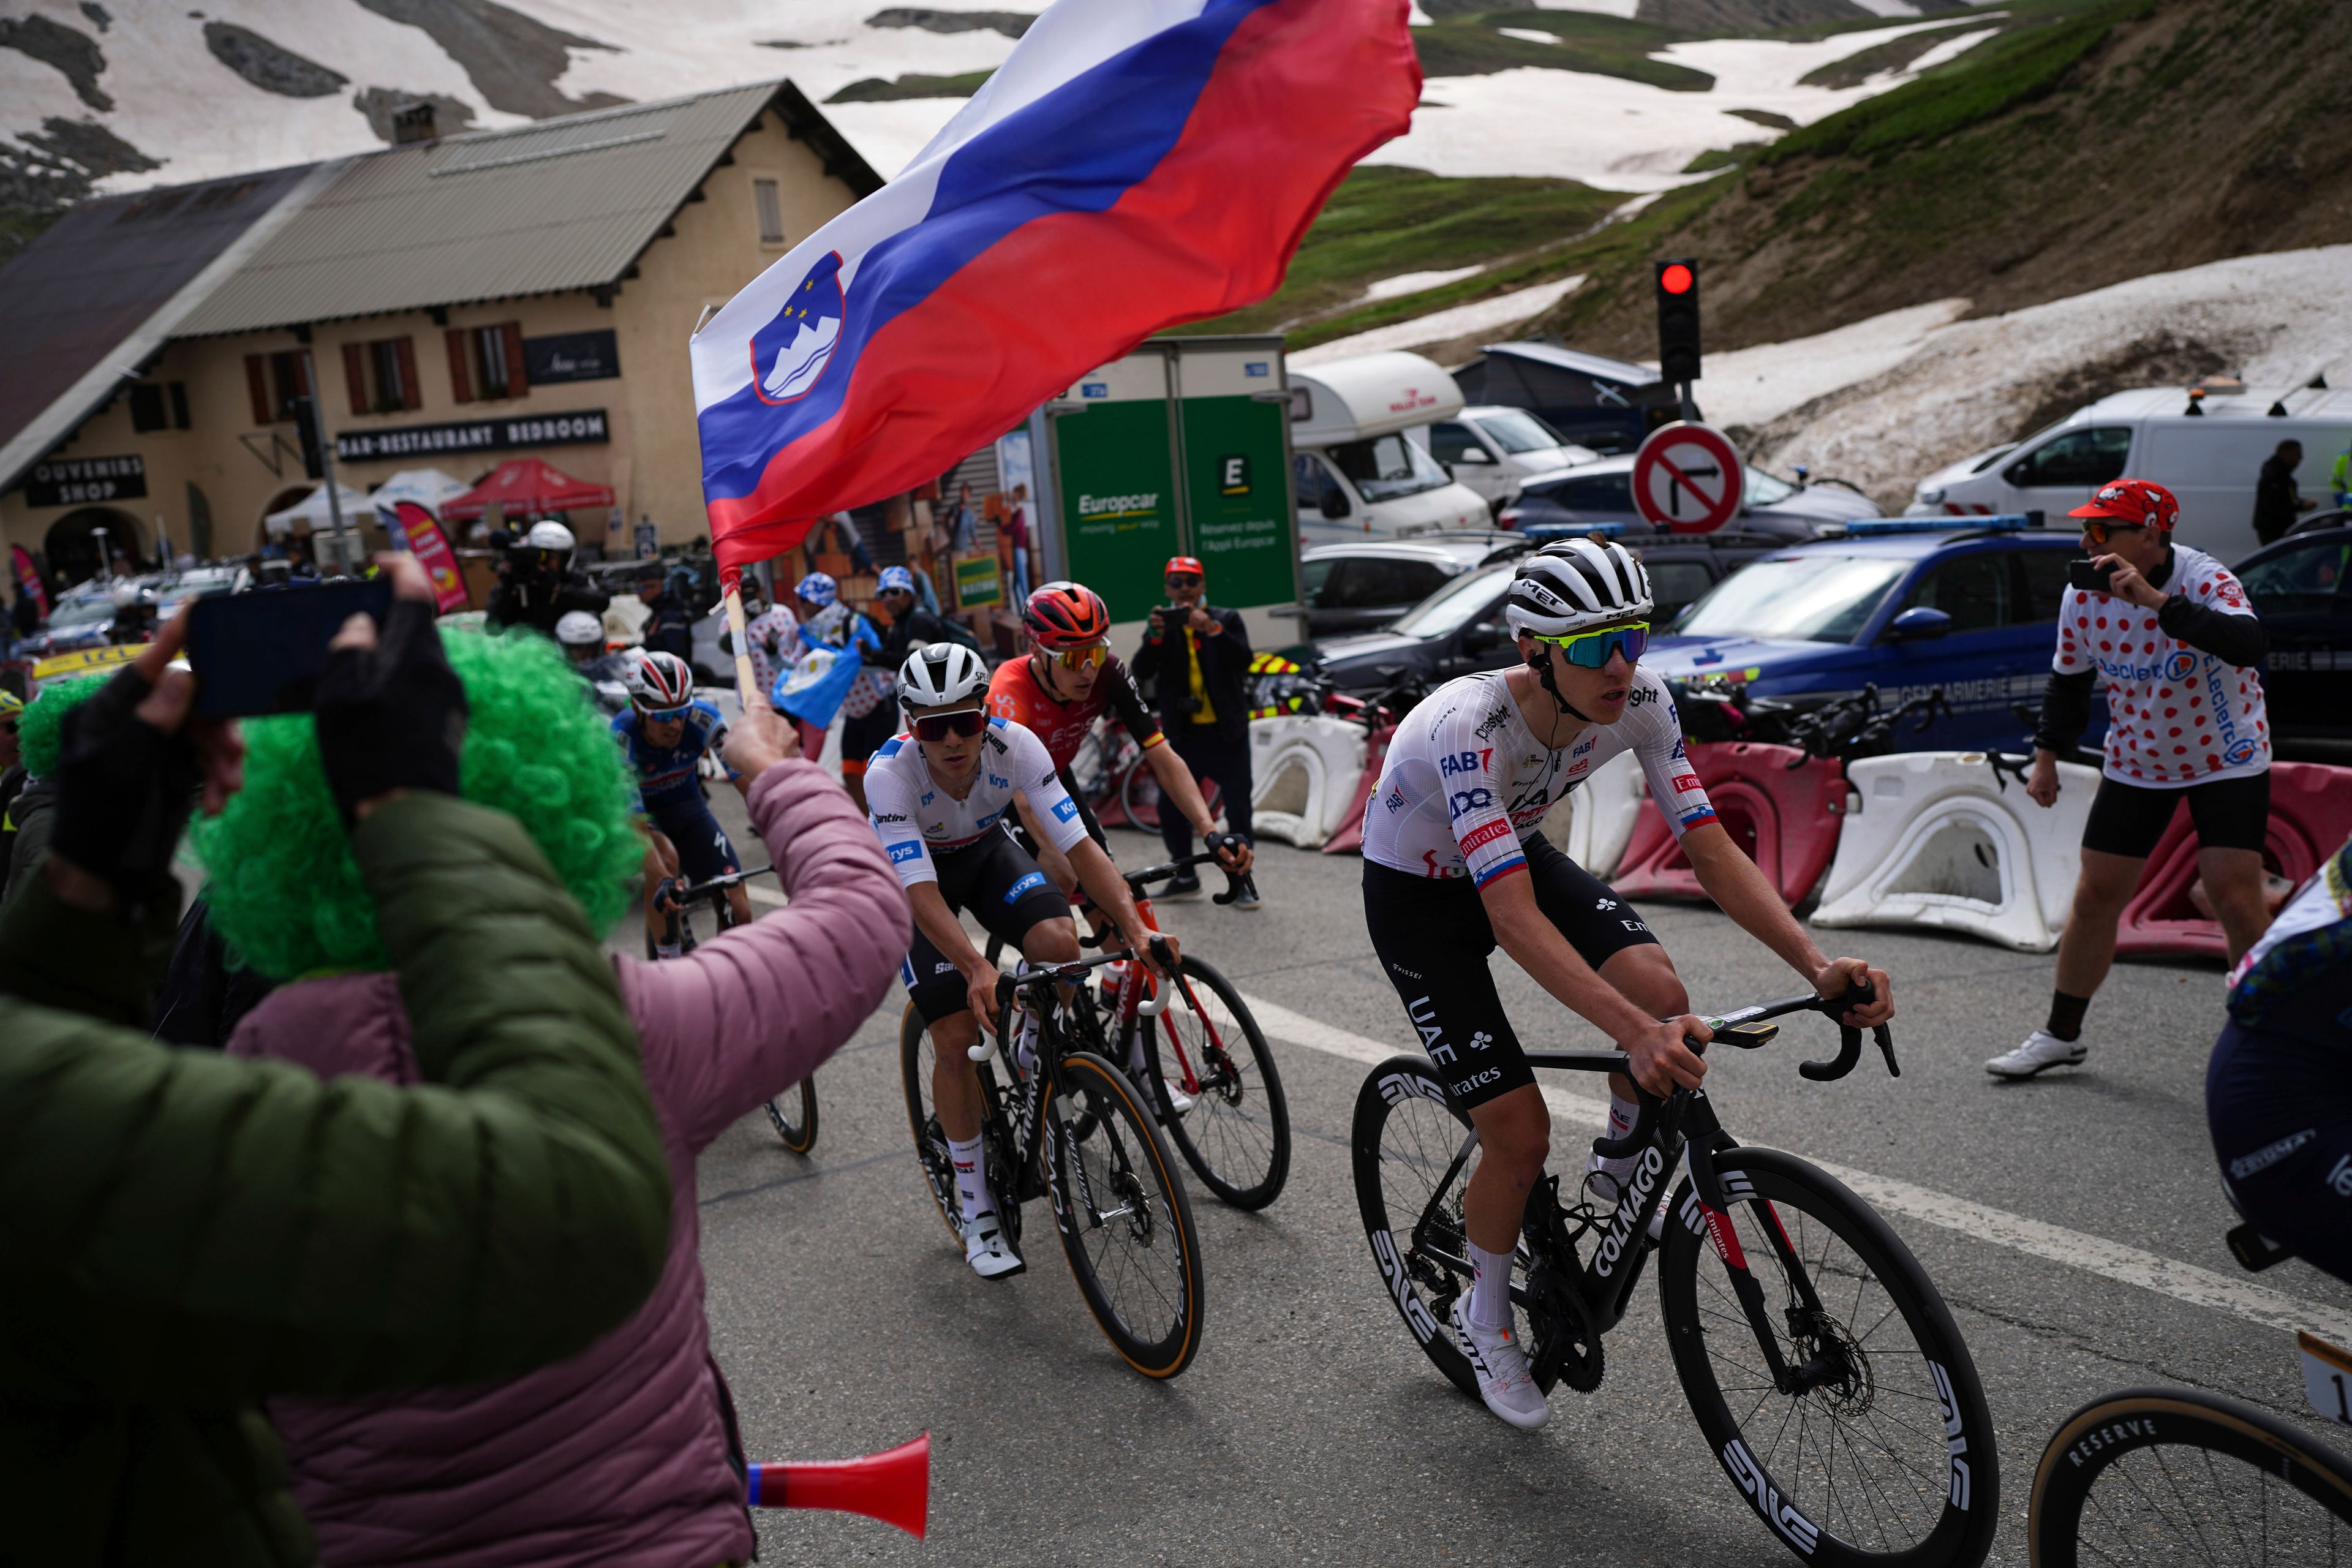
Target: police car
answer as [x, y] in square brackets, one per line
[1906, 604]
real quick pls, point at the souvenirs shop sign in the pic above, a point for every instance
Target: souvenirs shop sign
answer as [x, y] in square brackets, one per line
[77, 481]
[586, 427]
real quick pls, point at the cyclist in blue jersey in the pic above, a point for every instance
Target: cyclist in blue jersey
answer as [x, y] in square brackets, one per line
[664, 735]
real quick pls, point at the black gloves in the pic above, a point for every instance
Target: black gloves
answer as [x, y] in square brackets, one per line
[393, 716]
[124, 792]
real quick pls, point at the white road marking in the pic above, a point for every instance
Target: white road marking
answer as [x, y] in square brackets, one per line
[1981, 1222]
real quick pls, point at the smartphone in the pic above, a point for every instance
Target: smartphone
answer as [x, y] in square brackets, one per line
[2089, 578]
[259, 652]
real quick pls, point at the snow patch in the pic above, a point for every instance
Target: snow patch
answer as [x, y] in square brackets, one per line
[1951, 48]
[1406, 283]
[1752, 386]
[1530, 35]
[1604, 8]
[1493, 315]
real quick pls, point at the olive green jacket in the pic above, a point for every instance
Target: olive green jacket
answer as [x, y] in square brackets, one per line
[182, 1233]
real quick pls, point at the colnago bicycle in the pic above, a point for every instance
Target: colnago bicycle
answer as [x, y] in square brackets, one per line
[1234, 1127]
[793, 1112]
[1063, 1124]
[1825, 1369]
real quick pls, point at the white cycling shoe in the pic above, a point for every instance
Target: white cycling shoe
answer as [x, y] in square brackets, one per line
[985, 1248]
[1504, 1381]
[2041, 1051]
[1179, 1103]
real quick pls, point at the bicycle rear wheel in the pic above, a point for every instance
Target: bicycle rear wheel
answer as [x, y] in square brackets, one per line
[1127, 1228]
[1885, 1453]
[1138, 796]
[793, 1115]
[916, 1057]
[2154, 1476]
[1237, 1134]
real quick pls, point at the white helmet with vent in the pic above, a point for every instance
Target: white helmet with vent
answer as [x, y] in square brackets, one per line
[941, 674]
[1574, 584]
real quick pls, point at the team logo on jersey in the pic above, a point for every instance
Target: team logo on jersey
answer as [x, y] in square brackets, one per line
[1033, 879]
[1467, 800]
[2243, 750]
[1065, 809]
[1464, 762]
[903, 852]
[2177, 666]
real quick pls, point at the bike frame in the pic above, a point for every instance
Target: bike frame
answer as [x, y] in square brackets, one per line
[1019, 1106]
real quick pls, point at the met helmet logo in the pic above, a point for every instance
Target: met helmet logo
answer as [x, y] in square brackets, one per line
[789, 356]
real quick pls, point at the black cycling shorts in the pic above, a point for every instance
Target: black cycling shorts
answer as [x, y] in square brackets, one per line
[2230, 814]
[1433, 939]
[704, 850]
[2280, 1109]
[1000, 885]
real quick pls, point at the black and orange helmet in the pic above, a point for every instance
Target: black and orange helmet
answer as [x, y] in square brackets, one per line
[1064, 616]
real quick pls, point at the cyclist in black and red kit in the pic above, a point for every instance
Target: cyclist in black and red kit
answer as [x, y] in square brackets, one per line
[1069, 679]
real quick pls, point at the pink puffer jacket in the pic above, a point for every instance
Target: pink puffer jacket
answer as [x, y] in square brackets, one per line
[618, 1456]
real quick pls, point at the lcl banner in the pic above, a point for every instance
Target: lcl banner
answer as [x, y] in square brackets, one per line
[431, 548]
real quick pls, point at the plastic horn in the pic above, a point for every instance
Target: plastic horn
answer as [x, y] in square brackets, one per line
[894, 1487]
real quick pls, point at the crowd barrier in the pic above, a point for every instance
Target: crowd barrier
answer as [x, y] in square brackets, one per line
[1786, 820]
[1594, 826]
[1947, 839]
[2311, 816]
[1348, 837]
[1307, 769]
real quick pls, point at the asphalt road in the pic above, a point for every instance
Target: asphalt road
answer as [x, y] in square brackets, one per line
[1311, 1429]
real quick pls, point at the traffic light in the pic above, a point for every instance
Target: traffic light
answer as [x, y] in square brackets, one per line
[1678, 287]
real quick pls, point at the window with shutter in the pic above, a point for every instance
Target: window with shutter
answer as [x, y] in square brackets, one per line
[180, 405]
[147, 411]
[385, 360]
[518, 374]
[355, 378]
[412, 394]
[771, 210]
[489, 362]
[256, 382]
[461, 367]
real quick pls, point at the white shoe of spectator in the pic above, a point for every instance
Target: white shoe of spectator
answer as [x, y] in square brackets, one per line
[2041, 1051]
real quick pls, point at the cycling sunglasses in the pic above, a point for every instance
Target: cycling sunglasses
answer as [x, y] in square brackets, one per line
[937, 727]
[1182, 580]
[1590, 650]
[663, 715]
[2098, 530]
[1085, 657]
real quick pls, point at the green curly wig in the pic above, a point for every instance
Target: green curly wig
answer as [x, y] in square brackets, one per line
[284, 890]
[37, 737]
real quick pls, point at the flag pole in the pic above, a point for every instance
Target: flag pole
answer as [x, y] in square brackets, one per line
[747, 685]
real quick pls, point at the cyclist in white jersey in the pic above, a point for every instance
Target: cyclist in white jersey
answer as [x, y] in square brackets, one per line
[1454, 867]
[938, 795]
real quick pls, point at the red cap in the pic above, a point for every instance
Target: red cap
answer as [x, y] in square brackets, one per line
[1186, 563]
[2133, 501]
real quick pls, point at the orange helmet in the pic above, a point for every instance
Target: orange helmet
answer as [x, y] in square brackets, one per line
[1065, 616]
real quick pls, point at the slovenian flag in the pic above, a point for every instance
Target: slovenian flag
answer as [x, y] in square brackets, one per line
[1133, 164]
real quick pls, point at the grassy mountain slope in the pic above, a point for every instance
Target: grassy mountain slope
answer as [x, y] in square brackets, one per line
[2134, 137]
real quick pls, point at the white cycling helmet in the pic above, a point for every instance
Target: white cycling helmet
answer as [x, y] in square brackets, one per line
[1573, 585]
[578, 629]
[939, 675]
[549, 534]
[659, 682]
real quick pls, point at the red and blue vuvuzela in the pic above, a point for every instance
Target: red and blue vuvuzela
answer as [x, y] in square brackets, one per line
[1130, 167]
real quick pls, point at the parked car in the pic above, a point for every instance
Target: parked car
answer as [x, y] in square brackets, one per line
[1603, 491]
[1361, 587]
[1497, 451]
[1357, 470]
[1905, 606]
[1460, 628]
[2298, 587]
[2206, 443]
[1608, 404]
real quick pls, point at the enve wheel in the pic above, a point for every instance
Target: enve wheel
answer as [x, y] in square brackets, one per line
[1885, 1454]
[1237, 1134]
[916, 1057]
[793, 1115]
[2173, 1475]
[1126, 1227]
[1414, 1155]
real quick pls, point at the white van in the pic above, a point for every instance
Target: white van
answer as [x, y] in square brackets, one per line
[2208, 459]
[1356, 472]
[1499, 451]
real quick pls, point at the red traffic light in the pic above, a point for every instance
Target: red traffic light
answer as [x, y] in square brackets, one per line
[1676, 278]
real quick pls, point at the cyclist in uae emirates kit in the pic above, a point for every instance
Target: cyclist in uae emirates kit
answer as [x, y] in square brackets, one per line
[1454, 867]
[937, 795]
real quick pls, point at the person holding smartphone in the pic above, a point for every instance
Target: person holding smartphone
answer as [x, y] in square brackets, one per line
[2168, 633]
[1198, 656]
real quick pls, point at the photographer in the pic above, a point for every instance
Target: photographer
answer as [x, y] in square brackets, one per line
[538, 586]
[2168, 633]
[183, 1233]
[1198, 656]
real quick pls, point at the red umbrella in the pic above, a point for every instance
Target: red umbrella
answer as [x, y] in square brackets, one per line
[523, 486]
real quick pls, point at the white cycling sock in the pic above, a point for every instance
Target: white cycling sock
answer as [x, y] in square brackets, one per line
[971, 1187]
[670, 949]
[1490, 1291]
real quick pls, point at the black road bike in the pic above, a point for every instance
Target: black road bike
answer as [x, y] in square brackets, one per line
[1060, 1122]
[793, 1112]
[1203, 1046]
[1825, 1369]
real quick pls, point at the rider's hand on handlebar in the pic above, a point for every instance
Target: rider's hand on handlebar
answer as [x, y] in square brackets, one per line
[1232, 851]
[1659, 1060]
[1842, 975]
[1140, 942]
[2041, 784]
[980, 993]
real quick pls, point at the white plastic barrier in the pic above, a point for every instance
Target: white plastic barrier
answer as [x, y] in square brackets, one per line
[1935, 838]
[1592, 826]
[1304, 768]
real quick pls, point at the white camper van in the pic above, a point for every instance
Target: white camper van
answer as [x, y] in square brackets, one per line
[1357, 471]
[2205, 443]
[1499, 451]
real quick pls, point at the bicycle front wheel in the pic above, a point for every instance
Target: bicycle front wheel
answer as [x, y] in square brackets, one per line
[1237, 1133]
[1876, 1446]
[917, 1056]
[793, 1115]
[2173, 1475]
[1126, 1227]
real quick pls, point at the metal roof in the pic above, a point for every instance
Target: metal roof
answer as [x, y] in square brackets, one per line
[88, 302]
[558, 205]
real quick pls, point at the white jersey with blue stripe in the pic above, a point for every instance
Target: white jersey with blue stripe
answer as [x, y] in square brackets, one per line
[916, 819]
[1465, 777]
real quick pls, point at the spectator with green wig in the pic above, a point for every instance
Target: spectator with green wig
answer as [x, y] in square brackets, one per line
[26, 828]
[621, 1453]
